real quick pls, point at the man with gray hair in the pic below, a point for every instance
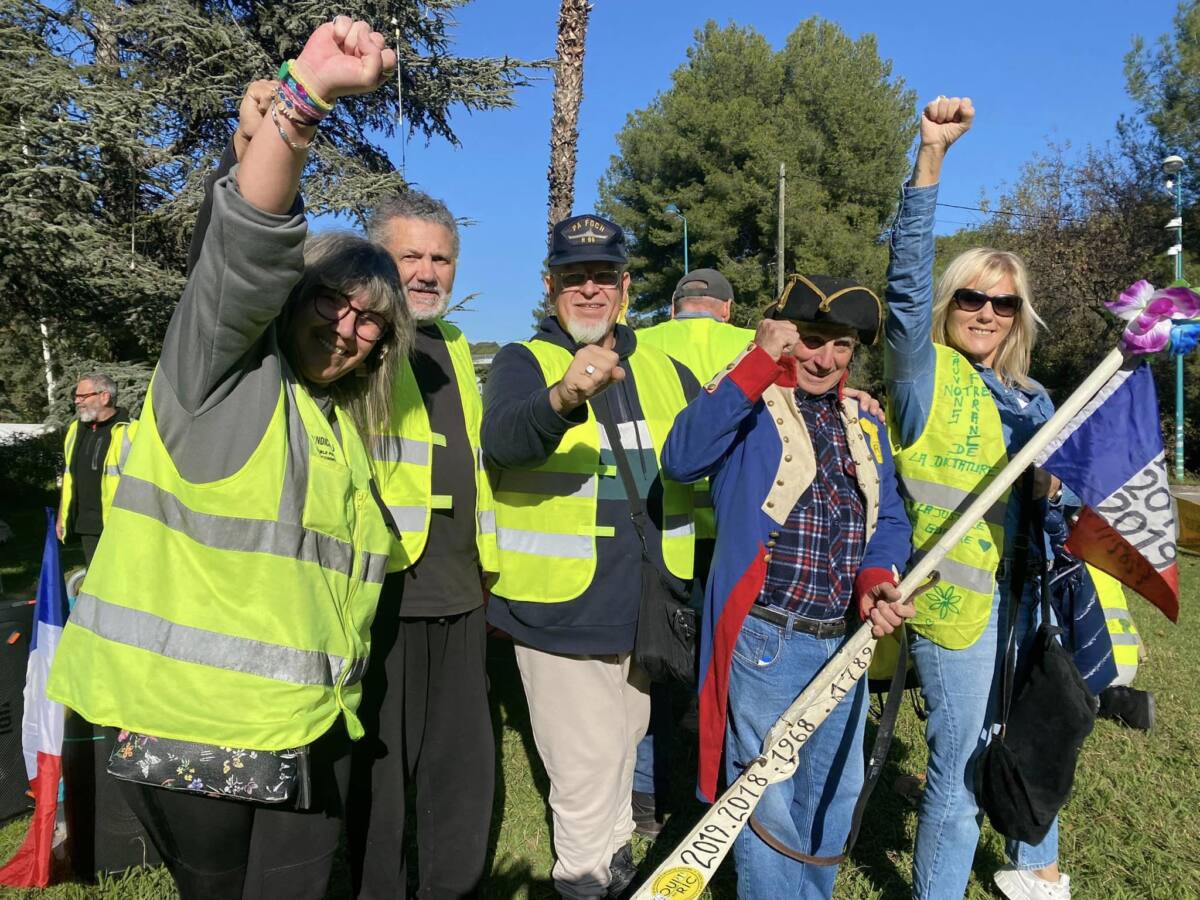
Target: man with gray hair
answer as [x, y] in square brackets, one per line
[94, 451]
[425, 704]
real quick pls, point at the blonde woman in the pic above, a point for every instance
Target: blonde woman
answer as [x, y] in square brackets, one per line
[961, 404]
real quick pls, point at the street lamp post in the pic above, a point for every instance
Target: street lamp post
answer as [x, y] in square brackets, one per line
[674, 210]
[1172, 166]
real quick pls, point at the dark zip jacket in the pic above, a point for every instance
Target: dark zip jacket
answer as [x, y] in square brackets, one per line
[521, 430]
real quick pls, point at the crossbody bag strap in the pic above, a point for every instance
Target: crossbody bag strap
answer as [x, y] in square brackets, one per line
[637, 510]
[1016, 590]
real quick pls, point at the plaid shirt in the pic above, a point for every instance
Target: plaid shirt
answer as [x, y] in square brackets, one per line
[819, 548]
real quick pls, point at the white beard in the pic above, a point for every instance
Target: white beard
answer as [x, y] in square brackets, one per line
[427, 314]
[588, 332]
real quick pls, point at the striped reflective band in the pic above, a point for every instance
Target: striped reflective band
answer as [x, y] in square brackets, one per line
[393, 449]
[137, 628]
[126, 443]
[933, 494]
[408, 518]
[285, 539]
[540, 481]
[981, 581]
[702, 498]
[634, 436]
[112, 471]
[678, 526]
[487, 521]
[560, 546]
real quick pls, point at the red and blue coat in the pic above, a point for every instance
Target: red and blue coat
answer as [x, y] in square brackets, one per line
[746, 433]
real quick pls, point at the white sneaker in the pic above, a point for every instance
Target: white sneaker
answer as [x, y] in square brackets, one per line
[1023, 884]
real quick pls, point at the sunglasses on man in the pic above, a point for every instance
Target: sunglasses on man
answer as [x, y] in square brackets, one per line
[1003, 305]
[603, 278]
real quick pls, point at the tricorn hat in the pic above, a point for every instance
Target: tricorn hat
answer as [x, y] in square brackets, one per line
[834, 301]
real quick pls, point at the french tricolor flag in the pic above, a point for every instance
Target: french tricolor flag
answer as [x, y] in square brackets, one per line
[42, 728]
[1111, 455]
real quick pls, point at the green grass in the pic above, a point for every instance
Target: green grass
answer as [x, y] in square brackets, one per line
[1130, 831]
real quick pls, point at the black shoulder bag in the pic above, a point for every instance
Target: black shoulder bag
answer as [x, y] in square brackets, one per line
[665, 646]
[1026, 772]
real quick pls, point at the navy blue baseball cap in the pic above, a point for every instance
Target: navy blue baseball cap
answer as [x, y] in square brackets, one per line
[581, 239]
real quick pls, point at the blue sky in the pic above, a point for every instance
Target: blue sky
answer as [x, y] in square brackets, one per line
[1037, 71]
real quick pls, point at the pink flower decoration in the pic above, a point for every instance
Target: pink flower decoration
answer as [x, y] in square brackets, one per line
[1150, 314]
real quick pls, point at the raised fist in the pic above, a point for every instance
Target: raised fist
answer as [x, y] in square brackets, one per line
[591, 371]
[345, 57]
[255, 105]
[945, 120]
[776, 336]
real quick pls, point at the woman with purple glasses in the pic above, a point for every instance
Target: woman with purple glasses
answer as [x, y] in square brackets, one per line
[961, 404]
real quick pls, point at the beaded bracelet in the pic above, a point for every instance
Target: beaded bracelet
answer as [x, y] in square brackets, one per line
[289, 76]
[283, 134]
[296, 110]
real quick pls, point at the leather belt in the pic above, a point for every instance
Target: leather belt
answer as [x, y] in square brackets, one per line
[826, 629]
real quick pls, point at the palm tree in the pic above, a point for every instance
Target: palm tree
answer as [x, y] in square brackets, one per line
[568, 93]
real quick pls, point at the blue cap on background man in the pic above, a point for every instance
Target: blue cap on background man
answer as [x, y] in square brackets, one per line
[589, 238]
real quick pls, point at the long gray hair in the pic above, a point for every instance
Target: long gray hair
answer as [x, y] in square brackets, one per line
[346, 263]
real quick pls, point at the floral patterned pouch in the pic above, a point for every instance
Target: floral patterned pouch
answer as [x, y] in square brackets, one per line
[261, 776]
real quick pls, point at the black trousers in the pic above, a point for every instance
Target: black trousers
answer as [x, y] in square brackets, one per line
[90, 542]
[425, 710]
[225, 849]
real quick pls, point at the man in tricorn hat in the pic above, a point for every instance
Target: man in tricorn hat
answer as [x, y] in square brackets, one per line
[811, 536]
[556, 410]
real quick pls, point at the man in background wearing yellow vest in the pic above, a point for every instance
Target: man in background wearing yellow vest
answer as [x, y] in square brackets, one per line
[425, 704]
[698, 334]
[95, 449]
[570, 557]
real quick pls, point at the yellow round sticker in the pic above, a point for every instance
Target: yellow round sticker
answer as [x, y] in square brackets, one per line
[681, 882]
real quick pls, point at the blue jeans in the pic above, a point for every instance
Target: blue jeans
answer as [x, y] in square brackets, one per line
[811, 812]
[961, 690]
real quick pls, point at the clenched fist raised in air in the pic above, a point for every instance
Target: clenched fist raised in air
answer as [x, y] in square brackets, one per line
[776, 336]
[591, 371]
[943, 121]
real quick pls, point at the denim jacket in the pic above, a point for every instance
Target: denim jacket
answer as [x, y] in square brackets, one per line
[909, 357]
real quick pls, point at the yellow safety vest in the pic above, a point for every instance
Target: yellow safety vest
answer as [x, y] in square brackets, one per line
[702, 344]
[235, 612]
[957, 455]
[546, 515]
[1126, 642]
[705, 346]
[403, 461]
[119, 443]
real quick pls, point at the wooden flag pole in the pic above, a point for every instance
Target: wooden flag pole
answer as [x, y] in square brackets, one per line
[690, 867]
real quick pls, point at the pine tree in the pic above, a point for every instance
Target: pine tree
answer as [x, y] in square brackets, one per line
[112, 113]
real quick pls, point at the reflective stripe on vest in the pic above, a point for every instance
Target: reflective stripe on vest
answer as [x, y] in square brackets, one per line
[957, 455]
[403, 460]
[237, 612]
[286, 539]
[147, 631]
[546, 516]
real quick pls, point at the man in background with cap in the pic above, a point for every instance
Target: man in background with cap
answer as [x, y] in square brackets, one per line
[570, 579]
[812, 536]
[698, 334]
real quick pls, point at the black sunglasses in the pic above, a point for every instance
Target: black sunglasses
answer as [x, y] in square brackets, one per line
[1003, 305]
[603, 278]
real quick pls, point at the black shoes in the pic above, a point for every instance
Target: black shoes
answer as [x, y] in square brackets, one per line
[1129, 706]
[621, 874]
